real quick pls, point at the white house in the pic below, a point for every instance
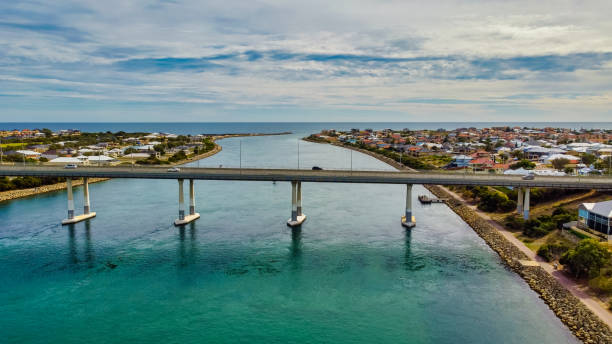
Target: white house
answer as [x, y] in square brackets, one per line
[69, 160]
[101, 160]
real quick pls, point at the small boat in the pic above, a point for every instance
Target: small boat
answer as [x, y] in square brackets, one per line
[424, 199]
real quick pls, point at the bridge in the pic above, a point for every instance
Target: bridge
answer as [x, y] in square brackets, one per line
[296, 177]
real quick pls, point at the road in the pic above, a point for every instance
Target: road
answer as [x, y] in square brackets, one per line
[323, 176]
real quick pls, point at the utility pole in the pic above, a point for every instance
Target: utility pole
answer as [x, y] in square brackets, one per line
[1, 151]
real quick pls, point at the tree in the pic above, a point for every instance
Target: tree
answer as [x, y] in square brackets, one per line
[559, 163]
[519, 154]
[588, 159]
[526, 164]
[503, 157]
[586, 259]
[160, 149]
[47, 132]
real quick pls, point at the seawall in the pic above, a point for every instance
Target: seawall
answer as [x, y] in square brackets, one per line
[13, 194]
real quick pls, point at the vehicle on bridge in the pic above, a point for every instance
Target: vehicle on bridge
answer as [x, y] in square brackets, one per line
[174, 169]
[530, 176]
[70, 166]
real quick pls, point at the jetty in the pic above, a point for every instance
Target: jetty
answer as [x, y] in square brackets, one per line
[424, 199]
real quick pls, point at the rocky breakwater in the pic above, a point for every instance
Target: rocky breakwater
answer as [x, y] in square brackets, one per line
[13, 194]
[573, 313]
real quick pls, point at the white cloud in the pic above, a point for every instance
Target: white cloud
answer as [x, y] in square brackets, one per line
[312, 55]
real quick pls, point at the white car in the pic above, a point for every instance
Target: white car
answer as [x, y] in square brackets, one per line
[70, 166]
[174, 169]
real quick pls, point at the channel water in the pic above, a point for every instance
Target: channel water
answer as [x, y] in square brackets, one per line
[351, 274]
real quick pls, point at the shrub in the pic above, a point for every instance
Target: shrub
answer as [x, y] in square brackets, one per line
[514, 222]
[603, 282]
[552, 251]
[526, 164]
[178, 156]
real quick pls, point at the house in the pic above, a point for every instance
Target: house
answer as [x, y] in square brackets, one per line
[570, 158]
[50, 154]
[459, 161]
[61, 161]
[29, 154]
[481, 164]
[596, 216]
[101, 160]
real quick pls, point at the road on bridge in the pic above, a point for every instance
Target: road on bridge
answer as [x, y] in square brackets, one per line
[323, 176]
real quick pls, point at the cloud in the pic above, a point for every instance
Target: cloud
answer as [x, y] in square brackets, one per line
[473, 58]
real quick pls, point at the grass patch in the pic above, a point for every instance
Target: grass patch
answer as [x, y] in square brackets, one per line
[14, 145]
[436, 160]
[578, 234]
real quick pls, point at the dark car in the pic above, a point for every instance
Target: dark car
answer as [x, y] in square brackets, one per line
[316, 168]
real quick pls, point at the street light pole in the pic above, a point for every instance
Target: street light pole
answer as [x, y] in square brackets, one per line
[240, 154]
[298, 155]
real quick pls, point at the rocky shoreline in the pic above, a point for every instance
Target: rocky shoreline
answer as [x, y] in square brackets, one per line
[585, 325]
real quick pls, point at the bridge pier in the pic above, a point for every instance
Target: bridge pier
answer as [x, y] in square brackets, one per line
[526, 205]
[86, 207]
[297, 217]
[408, 220]
[185, 219]
[519, 203]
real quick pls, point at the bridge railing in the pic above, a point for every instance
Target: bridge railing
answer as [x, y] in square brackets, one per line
[191, 164]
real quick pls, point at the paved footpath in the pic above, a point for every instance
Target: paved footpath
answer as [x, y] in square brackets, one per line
[578, 290]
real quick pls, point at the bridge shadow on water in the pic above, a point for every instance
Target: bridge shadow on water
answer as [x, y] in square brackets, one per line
[188, 248]
[295, 250]
[73, 251]
[408, 259]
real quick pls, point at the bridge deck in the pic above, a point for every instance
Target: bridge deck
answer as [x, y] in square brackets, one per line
[324, 176]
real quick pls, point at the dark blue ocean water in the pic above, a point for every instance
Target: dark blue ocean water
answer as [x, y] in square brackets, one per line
[271, 127]
[351, 274]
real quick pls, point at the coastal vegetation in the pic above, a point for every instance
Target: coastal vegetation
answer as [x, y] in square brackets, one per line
[542, 225]
[586, 259]
[524, 163]
[8, 184]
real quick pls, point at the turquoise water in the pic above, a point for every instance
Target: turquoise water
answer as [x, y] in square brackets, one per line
[352, 274]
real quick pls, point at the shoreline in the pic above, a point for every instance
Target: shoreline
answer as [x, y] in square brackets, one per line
[580, 320]
[22, 193]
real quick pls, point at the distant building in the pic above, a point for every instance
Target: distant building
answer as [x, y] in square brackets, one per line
[29, 154]
[69, 160]
[596, 216]
[459, 161]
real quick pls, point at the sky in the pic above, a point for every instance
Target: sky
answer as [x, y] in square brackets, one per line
[382, 60]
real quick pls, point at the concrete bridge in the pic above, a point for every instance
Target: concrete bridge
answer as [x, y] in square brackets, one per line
[296, 177]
